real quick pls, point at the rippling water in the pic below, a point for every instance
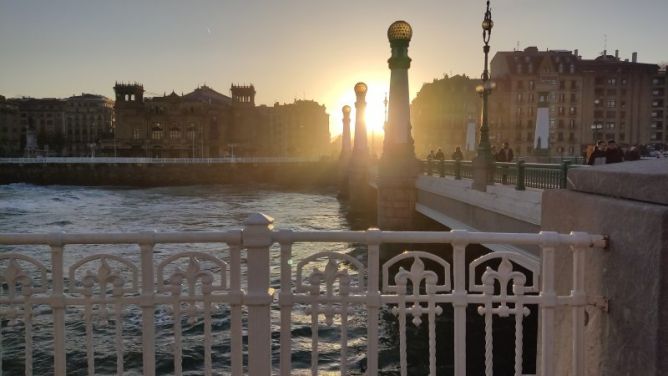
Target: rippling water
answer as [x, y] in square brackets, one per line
[28, 208]
[39, 209]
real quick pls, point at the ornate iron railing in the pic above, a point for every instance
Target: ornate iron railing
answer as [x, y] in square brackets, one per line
[520, 174]
[138, 289]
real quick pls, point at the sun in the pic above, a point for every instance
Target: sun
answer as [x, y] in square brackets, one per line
[375, 108]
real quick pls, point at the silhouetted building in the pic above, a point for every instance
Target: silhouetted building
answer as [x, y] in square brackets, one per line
[205, 123]
[89, 119]
[444, 113]
[299, 129]
[567, 102]
[41, 125]
[10, 129]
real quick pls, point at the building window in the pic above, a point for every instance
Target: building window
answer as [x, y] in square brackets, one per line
[560, 136]
[571, 123]
[136, 133]
[612, 81]
[156, 132]
[561, 124]
[572, 111]
[174, 133]
[531, 85]
[610, 125]
[612, 102]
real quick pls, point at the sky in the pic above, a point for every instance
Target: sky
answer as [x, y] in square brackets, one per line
[294, 49]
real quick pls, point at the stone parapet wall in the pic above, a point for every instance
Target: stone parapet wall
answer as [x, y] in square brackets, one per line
[632, 337]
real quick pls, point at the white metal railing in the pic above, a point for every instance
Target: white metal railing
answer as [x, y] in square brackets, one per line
[415, 285]
[122, 160]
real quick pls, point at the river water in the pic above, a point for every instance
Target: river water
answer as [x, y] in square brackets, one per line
[39, 209]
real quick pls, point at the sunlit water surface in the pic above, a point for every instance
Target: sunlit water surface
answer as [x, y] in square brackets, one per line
[40, 209]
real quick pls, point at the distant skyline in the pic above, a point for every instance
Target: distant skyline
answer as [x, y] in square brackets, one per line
[294, 49]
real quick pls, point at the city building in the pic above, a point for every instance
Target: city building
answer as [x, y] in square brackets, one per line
[55, 127]
[659, 114]
[41, 124]
[10, 129]
[557, 103]
[446, 114]
[300, 128]
[89, 119]
[206, 123]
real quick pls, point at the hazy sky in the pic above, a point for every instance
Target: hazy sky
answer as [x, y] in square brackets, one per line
[293, 49]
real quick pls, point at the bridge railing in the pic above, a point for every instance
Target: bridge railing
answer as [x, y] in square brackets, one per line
[123, 160]
[141, 302]
[520, 174]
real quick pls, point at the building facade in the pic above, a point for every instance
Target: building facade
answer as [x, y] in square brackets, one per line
[89, 119]
[208, 124]
[557, 103]
[446, 114]
[657, 131]
[10, 129]
[300, 128]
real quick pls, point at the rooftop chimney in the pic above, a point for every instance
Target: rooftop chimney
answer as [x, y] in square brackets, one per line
[575, 53]
[617, 54]
[634, 57]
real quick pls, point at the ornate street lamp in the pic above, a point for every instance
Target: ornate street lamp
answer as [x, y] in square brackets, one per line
[484, 161]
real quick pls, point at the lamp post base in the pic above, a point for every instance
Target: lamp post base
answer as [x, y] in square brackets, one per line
[483, 173]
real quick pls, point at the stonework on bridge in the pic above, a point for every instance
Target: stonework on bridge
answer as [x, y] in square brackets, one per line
[627, 332]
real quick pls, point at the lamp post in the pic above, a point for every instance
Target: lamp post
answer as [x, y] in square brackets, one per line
[483, 163]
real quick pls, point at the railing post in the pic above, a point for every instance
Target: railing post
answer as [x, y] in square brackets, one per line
[256, 238]
[520, 176]
[441, 168]
[148, 305]
[563, 183]
[373, 299]
[430, 164]
[58, 306]
[458, 169]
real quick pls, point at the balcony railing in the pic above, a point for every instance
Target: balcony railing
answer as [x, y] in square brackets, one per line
[520, 174]
[133, 297]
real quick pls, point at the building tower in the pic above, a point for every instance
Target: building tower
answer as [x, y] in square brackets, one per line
[129, 93]
[398, 166]
[243, 94]
[344, 157]
[359, 160]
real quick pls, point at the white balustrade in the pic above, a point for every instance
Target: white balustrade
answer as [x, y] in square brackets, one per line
[331, 288]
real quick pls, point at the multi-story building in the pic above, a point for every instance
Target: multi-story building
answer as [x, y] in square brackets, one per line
[41, 122]
[445, 114]
[300, 128]
[10, 129]
[51, 126]
[658, 133]
[89, 119]
[558, 103]
[205, 123]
